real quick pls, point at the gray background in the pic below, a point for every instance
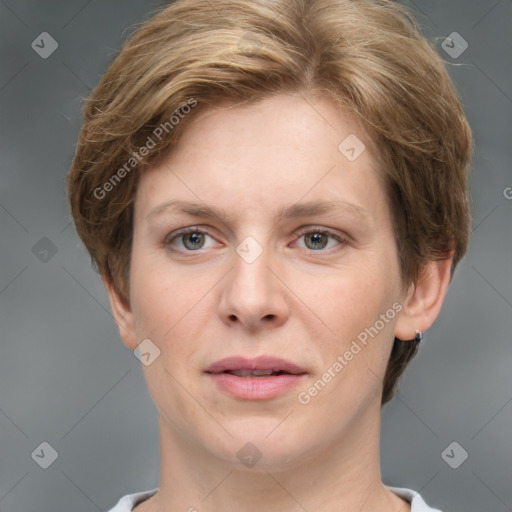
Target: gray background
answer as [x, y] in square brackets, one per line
[68, 380]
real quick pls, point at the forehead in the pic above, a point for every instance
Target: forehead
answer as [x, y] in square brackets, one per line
[286, 148]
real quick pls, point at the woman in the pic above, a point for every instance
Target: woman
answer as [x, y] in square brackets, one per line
[274, 193]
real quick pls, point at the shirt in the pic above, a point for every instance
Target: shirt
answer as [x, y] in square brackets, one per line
[126, 503]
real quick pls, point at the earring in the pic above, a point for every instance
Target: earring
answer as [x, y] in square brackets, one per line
[418, 337]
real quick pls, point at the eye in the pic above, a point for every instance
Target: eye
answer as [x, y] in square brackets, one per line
[319, 239]
[187, 239]
[194, 239]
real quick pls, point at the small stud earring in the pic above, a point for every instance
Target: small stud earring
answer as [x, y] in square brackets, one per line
[418, 337]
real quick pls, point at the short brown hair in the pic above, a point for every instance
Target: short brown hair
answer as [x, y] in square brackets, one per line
[369, 55]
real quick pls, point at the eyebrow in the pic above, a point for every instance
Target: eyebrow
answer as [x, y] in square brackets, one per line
[287, 212]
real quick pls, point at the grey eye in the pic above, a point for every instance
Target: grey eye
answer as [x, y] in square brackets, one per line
[193, 241]
[316, 240]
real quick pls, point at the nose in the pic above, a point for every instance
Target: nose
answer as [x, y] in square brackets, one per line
[253, 295]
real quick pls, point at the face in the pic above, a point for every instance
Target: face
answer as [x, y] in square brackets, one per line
[260, 240]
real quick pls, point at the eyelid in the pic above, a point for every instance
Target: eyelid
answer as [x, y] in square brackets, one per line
[320, 229]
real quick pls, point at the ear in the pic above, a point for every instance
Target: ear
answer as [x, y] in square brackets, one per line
[424, 299]
[122, 314]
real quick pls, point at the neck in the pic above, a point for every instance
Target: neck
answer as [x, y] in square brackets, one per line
[341, 478]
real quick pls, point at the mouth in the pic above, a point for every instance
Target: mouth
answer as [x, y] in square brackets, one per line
[261, 378]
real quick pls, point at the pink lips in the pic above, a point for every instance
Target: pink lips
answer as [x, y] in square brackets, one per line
[260, 378]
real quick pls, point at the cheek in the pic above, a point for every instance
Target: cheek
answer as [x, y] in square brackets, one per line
[156, 296]
[349, 299]
[169, 307]
[168, 311]
[152, 300]
[354, 361]
[357, 305]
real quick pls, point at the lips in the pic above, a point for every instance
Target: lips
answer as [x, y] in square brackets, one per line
[261, 378]
[262, 366]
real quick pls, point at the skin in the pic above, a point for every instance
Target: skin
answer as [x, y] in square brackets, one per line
[300, 300]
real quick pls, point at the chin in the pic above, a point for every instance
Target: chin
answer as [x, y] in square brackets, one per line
[259, 446]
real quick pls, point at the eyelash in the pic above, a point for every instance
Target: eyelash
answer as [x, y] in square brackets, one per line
[309, 230]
